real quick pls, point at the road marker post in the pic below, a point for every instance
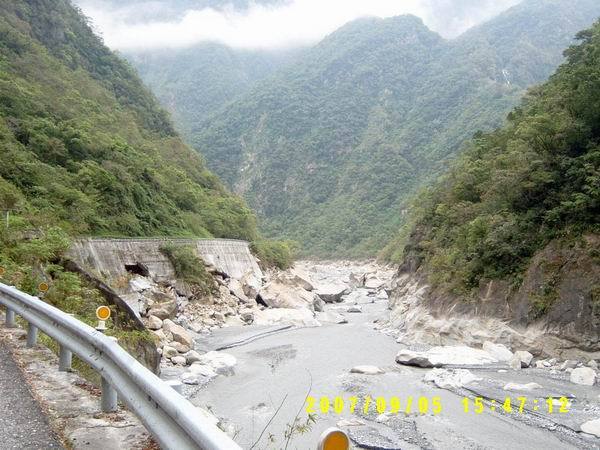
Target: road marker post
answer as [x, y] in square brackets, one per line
[334, 439]
[103, 314]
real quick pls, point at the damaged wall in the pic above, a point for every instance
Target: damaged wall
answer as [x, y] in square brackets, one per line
[110, 258]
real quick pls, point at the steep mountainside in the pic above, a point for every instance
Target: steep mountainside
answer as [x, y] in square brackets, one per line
[193, 83]
[513, 227]
[85, 145]
[329, 149]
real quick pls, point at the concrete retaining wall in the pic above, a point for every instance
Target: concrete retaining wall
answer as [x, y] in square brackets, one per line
[109, 257]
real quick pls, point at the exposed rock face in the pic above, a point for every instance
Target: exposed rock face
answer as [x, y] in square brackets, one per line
[562, 276]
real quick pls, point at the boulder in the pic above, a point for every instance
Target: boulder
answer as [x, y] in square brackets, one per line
[154, 323]
[592, 364]
[279, 295]
[179, 333]
[521, 387]
[410, 358]
[247, 315]
[169, 352]
[568, 364]
[498, 351]
[449, 378]
[297, 277]
[236, 289]
[331, 317]
[446, 355]
[219, 362]
[382, 295]
[374, 283]
[367, 370]
[354, 309]
[202, 369]
[192, 356]
[583, 375]
[251, 285]
[190, 378]
[181, 348]
[515, 363]
[525, 358]
[356, 281]
[591, 427]
[178, 360]
[164, 310]
[331, 293]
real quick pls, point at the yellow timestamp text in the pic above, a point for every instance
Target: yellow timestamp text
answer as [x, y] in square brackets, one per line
[394, 405]
[433, 405]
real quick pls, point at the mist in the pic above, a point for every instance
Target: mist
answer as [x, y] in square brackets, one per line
[137, 25]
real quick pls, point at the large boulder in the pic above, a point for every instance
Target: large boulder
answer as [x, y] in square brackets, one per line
[164, 310]
[331, 293]
[154, 323]
[179, 333]
[411, 358]
[591, 427]
[449, 378]
[448, 355]
[583, 375]
[331, 317]
[298, 278]
[279, 295]
[251, 285]
[528, 387]
[498, 351]
[220, 362]
[525, 358]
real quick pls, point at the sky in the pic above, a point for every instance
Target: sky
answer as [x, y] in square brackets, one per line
[139, 25]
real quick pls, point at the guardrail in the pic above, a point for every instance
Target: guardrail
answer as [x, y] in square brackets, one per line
[173, 421]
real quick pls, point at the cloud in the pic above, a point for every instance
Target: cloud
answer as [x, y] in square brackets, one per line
[140, 25]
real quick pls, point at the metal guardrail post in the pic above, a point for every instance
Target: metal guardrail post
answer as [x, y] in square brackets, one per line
[109, 397]
[109, 402]
[32, 335]
[10, 318]
[65, 359]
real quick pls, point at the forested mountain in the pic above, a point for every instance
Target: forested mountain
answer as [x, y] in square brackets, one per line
[85, 146]
[195, 82]
[329, 149]
[513, 191]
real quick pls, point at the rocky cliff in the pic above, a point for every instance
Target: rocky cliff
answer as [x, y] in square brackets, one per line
[554, 310]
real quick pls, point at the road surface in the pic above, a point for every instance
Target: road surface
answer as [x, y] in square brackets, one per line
[23, 425]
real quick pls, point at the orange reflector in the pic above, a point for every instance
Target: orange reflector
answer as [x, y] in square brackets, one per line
[1, 271]
[43, 287]
[103, 313]
[334, 439]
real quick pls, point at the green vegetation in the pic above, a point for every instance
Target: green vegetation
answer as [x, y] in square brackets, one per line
[516, 189]
[329, 149]
[84, 145]
[188, 267]
[278, 254]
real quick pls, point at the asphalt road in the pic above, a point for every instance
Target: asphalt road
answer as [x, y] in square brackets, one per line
[23, 425]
